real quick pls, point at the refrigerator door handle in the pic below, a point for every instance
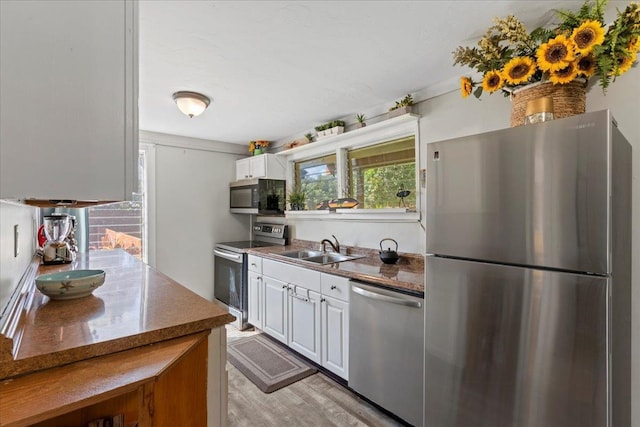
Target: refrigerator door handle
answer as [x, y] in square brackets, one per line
[393, 300]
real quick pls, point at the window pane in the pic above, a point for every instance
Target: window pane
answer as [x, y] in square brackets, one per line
[317, 178]
[379, 174]
[122, 225]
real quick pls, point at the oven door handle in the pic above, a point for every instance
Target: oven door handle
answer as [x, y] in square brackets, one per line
[226, 255]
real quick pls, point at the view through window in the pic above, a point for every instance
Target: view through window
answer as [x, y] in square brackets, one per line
[122, 225]
[384, 175]
[317, 179]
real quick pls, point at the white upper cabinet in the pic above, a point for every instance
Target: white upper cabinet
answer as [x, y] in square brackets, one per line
[68, 100]
[262, 166]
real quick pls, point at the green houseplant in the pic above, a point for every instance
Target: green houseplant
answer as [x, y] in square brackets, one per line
[334, 127]
[297, 199]
[403, 106]
[361, 121]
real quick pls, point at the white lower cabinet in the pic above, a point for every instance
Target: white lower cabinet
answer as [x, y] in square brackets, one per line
[335, 336]
[304, 322]
[254, 297]
[304, 309]
[275, 314]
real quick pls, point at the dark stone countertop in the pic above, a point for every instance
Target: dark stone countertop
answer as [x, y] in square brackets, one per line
[407, 275]
[136, 306]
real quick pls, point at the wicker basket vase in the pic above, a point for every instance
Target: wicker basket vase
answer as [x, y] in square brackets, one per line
[568, 99]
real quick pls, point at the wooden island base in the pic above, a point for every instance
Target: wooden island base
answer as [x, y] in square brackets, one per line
[161, 385]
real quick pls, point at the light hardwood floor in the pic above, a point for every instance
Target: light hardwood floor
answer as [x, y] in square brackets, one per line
[314, 401]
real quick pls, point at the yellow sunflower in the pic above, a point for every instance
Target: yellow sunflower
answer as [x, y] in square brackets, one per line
[555, 54]
[634, 44]
[586, 36]
[492, 81]
[564, 75]
[625, 62]
[518, 70]
[466, 86]
[586, 65]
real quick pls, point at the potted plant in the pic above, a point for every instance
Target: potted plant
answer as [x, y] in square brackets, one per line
[334, 127]
[555, 61]
[309, 137]
[258, 147]
[404, 106]
[361, 121]
[297, 200]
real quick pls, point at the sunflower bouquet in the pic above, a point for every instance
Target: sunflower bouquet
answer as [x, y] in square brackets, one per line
[257, 145]
[579, 47]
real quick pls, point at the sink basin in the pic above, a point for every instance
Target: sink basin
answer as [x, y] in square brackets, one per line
[318, 257]
[301, 254]
[329, 258]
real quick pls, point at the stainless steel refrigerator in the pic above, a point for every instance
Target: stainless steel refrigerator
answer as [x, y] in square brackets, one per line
[528, 277]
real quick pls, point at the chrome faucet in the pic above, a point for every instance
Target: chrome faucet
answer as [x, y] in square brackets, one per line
[336, 246]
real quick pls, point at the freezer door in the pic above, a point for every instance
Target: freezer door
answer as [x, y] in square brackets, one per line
[533, 195]
[511, 346]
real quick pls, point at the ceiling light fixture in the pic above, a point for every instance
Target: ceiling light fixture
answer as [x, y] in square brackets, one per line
[191, 103]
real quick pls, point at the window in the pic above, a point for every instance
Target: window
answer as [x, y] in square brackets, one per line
[377, 166]
[317, 178]
[122, 225]
[383, 175]
[377, 176]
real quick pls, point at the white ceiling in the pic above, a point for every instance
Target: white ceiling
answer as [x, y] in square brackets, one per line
[278, 68]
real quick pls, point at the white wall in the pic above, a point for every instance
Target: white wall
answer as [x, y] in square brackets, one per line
[12, 268]
[365, 234]
[191, 207]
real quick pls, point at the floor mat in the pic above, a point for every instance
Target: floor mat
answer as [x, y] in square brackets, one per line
[269, 366]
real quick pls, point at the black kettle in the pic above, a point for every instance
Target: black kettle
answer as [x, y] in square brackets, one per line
[389, 256]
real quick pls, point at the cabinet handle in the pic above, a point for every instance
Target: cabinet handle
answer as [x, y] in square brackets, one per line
[322, 300]
[285, 287]
[300, 298]
[333, 287]
[253, 265]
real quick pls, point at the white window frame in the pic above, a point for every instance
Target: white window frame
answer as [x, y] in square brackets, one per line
[377, 133]
[149, 231]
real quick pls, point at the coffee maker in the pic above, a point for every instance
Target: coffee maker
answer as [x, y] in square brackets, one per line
[60, 246]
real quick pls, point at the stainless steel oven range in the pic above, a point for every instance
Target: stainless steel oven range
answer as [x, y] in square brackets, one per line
[230, 268]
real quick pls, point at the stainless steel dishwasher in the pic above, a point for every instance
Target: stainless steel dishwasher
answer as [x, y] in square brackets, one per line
[386, 345]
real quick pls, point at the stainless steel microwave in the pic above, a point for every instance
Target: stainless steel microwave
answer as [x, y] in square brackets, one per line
[258, 196]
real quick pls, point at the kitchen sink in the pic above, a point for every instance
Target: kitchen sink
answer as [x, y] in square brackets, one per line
[318, 257]
[329, 258]
[301, 254]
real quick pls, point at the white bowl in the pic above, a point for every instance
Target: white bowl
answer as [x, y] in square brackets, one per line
[70, 284]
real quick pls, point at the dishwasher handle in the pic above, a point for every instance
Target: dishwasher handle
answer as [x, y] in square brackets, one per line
[230, 256]
[386, 298]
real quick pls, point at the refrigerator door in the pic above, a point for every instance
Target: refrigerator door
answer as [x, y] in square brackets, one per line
[533, 195]
[510, 346]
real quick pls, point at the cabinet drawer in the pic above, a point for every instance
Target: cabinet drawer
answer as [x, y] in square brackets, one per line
[335, 286]
[287, 273]
[255, 263]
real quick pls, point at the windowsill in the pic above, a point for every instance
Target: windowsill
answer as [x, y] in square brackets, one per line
[390, 214]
